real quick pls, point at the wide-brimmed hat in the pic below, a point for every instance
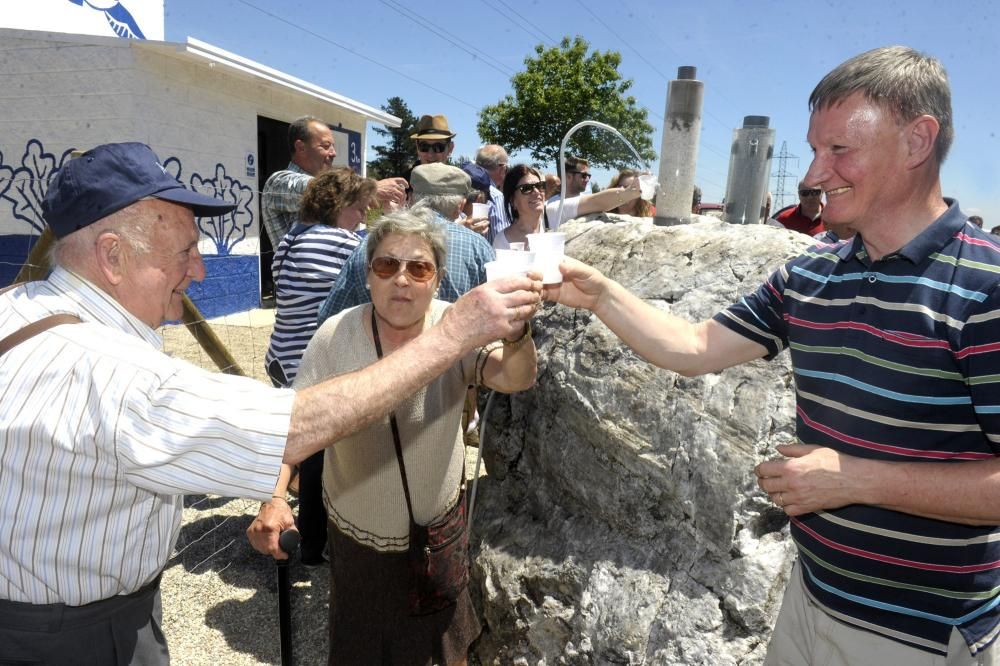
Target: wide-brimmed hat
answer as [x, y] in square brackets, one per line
[432, 127]
[439, 178]
[110, 177]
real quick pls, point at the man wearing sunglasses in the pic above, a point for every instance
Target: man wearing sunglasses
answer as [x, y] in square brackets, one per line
[433, 139]
[806, 217]
[577, 177]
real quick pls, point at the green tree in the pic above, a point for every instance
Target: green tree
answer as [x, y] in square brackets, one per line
[395, 157]
[558, 88]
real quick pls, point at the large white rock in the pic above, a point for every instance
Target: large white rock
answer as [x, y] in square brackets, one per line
[620, 522]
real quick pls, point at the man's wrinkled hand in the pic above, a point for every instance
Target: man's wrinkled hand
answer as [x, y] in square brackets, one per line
[810, 478]
[273, 518]
[494, 310]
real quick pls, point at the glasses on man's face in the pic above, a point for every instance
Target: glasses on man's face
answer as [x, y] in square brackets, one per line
[810, 193]
[388, 267]
[526, 188]
[427, 147]
[581, 174]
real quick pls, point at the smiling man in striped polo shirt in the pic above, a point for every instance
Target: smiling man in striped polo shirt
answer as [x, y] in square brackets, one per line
[101, 433]
[894, 492]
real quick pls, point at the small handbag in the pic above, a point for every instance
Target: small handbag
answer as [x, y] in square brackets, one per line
[438, 555]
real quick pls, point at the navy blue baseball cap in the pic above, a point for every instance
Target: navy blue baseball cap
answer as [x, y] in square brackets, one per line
[480, 177]
[110, 177]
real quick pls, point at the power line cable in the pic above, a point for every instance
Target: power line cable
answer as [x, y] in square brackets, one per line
[627, 42]
[514, 12]
[520, 24]
[326, 39]
[471, 50]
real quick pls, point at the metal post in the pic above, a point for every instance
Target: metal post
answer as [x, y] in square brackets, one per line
[749, 171]
[679, 148]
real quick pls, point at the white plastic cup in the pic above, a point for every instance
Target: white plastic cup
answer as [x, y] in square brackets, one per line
[647, 186]
[501, 269]
[480, 210]
[516, 256]
[549, 249]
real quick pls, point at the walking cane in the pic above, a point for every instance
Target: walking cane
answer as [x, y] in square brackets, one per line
[288, 541]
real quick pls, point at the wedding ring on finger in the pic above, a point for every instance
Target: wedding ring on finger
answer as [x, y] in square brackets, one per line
[781, 500]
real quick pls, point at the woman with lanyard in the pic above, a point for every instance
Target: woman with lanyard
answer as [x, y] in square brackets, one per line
[404, 470]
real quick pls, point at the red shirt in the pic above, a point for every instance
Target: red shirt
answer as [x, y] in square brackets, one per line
[793, 219]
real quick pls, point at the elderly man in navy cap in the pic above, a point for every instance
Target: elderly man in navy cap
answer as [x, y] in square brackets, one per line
[102, 433]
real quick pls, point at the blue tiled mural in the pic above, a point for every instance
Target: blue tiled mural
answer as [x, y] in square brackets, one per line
[232, 282]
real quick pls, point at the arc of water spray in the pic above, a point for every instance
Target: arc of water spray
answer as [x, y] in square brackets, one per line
[562, 156]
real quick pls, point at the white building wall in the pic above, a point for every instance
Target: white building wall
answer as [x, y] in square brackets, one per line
[59, 93]
[103, 18]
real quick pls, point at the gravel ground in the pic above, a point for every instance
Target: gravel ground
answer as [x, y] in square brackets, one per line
[220, 600]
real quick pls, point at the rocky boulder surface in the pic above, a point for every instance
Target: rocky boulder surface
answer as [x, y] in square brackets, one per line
[620, 522]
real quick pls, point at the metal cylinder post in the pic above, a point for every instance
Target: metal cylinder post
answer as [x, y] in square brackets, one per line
[749, 171]
[679, 148]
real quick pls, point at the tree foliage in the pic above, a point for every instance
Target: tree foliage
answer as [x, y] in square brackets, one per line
[396, 156]
[560, 87]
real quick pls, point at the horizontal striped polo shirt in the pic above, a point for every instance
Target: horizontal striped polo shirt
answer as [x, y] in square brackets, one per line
[306, 265]
[895, 360]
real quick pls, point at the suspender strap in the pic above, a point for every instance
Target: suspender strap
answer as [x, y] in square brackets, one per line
[31, 330]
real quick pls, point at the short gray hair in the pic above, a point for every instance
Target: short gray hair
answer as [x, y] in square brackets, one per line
[130, 224]
[490, 156]
[446, 205]
[899, 79]
[420, 222]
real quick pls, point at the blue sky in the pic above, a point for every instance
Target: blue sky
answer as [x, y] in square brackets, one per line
[755, 58]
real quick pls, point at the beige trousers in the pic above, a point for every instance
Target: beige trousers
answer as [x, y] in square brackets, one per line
[805, 635]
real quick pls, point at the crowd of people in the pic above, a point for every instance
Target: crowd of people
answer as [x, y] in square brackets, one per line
[385, 321]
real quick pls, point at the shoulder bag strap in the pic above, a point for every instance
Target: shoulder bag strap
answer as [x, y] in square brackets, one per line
[31, 330]
[394, 426]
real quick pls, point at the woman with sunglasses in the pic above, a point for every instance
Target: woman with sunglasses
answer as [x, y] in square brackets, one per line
[524, 194]
[370, 621]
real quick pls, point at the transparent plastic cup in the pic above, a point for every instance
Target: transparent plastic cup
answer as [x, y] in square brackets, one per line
[517, 246]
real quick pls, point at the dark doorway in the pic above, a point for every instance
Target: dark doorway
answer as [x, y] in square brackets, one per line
[272, 155]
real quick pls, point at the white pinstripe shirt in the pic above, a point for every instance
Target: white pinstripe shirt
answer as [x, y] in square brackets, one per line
[100, 436]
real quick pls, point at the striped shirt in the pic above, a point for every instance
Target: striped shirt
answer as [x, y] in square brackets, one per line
[306, 265]
[100, 436]
[465, 269]
[895, 360]
[280, 200]
[499, 217]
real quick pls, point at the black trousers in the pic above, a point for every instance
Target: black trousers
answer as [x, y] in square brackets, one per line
[121, 631]
[312, 512]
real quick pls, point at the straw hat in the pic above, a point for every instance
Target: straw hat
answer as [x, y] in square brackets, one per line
[432, 127]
